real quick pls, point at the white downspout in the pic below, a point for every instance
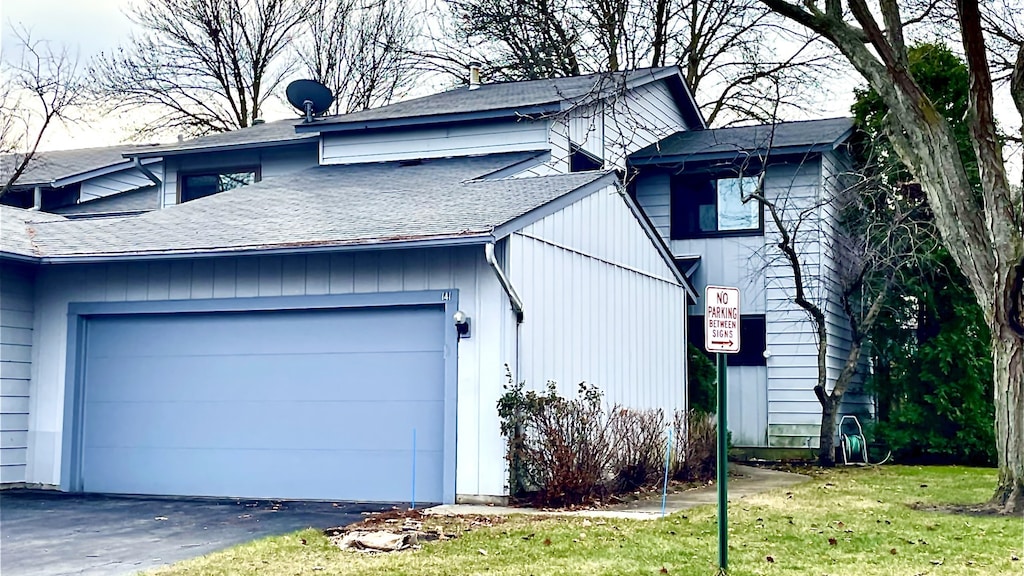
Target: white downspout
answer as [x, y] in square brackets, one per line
[513, 298]
[37, 198]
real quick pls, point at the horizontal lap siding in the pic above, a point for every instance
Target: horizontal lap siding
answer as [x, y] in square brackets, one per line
[613, 315]
[794, 414]
[836, 172]
[16, 323]
[123, 181]
[638, 118]
[654, 196]
[413, 143]
[481, 358]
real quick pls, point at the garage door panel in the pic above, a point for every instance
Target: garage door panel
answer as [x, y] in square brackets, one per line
[308, 474]
[311, 331]
[288, 404]
[325, 377]
[247, 426]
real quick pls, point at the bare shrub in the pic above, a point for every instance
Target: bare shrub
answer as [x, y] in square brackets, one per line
[695, 457]
[572, 448]
[640, 437]
[560, 450]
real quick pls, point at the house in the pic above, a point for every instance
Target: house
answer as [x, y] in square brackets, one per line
[82, 182]
[330, 309]
[691, 185]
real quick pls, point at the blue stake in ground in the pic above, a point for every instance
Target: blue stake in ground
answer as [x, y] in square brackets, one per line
[721, 337]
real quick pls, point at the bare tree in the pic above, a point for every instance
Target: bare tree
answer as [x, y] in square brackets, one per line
[200, 66]
[40, 87]
[869, 237]
[359, 49]
[982, 229]
[732, 52]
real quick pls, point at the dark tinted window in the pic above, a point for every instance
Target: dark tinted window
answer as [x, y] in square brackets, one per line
[705, 206]
[195, 186]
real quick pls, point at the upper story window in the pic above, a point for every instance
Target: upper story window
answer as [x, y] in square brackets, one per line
[704, 206]
[202, 184]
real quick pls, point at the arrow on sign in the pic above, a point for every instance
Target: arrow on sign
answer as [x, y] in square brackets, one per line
[725, 342]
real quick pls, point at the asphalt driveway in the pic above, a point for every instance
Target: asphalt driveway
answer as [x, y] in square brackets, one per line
[48, 533]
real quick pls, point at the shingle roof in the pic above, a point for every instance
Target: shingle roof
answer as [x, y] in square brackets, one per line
[277, 132]
[503, 96]
[723, 143]
[47, 166]
[139, 200]
[18, 228]
[324, 206]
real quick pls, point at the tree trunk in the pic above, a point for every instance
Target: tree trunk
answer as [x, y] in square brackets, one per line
[827, 437]
[1008, 368]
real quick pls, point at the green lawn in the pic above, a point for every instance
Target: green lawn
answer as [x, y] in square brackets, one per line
[855, 522]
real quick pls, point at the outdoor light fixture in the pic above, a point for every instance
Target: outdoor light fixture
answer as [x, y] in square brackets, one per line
[461, 324]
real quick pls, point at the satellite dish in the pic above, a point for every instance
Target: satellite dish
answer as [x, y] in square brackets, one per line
[309, 97]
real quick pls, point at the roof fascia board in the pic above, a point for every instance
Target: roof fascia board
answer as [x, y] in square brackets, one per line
[439, 242]
[518, 112]
[221, 148]
[731, 154]
[4, 255]
[549, 208]
[97, 172]
[687, 104]
[609, 179]
[661, 247]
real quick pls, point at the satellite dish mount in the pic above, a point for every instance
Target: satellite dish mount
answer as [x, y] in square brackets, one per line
[309, 97]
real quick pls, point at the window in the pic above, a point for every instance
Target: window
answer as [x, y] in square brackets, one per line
[582, 161]
[194, 186]
[703, 206]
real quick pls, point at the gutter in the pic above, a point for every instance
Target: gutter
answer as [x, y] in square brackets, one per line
[513, 297]
[445, 241]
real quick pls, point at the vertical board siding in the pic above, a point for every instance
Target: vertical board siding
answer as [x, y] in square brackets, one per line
[413, 143]
[17, 309]
[482, 357]
[793, 411]
[605, 308]
[122, 181]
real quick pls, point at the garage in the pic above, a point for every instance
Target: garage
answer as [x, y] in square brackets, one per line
[341, 403]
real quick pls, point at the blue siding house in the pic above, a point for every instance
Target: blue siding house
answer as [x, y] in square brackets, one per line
[326, 310]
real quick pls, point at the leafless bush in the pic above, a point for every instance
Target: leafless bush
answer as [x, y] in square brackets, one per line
[695, 453]
[570, 448]
[640, 436]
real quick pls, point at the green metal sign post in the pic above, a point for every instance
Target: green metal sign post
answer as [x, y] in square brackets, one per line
[722, 336]
[723, 467]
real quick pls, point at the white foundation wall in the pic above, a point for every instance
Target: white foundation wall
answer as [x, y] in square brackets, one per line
[480, 449]
[601, 306]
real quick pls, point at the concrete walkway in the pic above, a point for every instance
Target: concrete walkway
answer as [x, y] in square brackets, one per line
[743, 481]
